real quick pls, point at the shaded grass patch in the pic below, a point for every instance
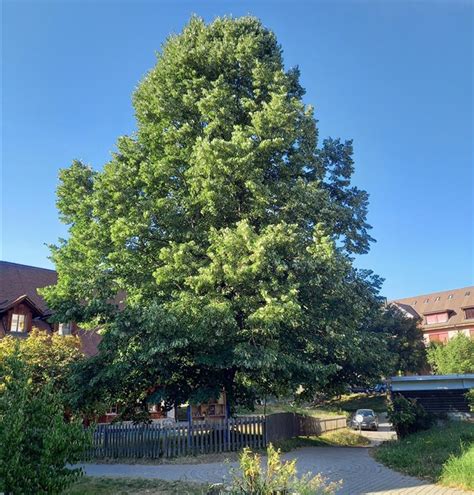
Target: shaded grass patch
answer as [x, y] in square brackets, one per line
[352, 402]
[305, 410]
[133, 486]
[337, 438]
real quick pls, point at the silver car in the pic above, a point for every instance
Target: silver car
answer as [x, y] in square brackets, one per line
[365, 419]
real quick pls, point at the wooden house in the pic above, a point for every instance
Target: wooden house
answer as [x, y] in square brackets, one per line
[22, 309]
[213, 410]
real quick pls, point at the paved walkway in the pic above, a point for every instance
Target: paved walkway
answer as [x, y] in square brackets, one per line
[360, 473]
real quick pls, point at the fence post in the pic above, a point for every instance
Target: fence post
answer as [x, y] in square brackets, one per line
[106, 442]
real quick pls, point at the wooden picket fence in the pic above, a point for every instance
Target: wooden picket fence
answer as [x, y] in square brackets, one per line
[153, 440]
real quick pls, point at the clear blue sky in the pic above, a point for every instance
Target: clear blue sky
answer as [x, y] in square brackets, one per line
[396, 76]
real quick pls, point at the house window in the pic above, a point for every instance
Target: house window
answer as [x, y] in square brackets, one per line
[17, 323]
[64, 329]
[438, 337]
[112, 411]
[436, 318]
[469, 313]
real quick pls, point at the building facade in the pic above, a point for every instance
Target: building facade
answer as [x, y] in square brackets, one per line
[442, 314]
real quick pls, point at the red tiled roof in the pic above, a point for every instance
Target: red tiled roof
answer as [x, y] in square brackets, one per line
[22, 280]
[9, 303]
[451, 301]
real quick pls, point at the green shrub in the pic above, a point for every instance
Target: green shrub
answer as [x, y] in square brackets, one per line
[456, 356]
[36, 443]
[278, 477]
[470, 399]
[408, 416]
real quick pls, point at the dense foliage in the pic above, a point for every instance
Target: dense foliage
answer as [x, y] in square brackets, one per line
[49, 357]
[454, 356]
[406, 347]
[408, 416]
[392, 343]
[36, 443]
[226, 231]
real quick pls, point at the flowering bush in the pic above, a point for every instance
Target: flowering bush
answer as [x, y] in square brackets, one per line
[278, 478]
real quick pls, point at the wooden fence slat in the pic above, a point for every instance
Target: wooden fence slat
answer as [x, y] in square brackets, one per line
[254, 434]
[221, 436]
[215, 436]
[199, 438]
[178, 440]
[246, 434]
[234, 434]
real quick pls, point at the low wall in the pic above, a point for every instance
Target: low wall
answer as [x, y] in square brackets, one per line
[282, 426]
[315, 426]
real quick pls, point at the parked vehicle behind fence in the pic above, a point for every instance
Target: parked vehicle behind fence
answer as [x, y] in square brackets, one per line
[365, 419]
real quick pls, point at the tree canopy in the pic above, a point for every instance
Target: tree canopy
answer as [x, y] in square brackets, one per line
[405, 344]
[216, 247]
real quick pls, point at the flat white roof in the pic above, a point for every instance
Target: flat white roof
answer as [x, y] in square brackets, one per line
[468, 376]
[432, 382]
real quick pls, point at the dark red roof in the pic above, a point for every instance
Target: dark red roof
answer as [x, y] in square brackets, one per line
[18, 280]
[22, 280]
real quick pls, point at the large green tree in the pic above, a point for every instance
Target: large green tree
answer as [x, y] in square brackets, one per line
[229, 231]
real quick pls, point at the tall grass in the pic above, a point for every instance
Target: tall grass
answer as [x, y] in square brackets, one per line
[459, 471]
[444, 454]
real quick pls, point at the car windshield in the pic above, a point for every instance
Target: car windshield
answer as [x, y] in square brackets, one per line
[365, 412]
